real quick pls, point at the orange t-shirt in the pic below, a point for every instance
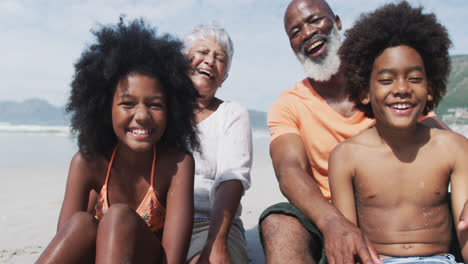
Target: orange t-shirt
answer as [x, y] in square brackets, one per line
[304, 112]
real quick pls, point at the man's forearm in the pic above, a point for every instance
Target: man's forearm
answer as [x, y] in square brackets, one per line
[303, 191]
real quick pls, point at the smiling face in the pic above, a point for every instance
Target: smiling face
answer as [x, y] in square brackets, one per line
[208, 61]
[139, 112]
[308, 23]
[398, 87]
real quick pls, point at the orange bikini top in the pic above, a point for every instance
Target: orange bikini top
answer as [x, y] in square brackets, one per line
[149, 209]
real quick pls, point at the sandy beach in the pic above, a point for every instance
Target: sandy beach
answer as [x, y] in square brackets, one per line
[31, 199]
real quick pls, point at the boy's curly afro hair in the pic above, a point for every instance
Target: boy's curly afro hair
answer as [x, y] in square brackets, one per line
[120, 50]
[389, 26]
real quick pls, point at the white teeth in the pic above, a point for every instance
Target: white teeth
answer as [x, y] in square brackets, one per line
[205, 72]
[316, 44]
[140, 131]
[401, 106]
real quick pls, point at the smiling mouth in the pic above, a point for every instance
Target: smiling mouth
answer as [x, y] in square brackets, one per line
[139, 131]
[315, 46]
[401, 106]
[204, 72]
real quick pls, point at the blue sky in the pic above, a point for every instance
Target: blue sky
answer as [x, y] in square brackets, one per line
[41, 39]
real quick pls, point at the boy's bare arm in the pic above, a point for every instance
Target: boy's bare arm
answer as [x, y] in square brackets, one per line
[459, 185]
[342, 238]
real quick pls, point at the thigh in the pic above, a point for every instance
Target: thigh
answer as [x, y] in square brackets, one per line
[123, 236]
[75, 242]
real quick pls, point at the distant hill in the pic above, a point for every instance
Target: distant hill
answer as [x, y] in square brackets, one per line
[40, 112]
[457, 86]
[32, 112]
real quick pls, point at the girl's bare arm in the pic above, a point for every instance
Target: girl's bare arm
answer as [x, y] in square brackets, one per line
[79, 185]
[179, 212]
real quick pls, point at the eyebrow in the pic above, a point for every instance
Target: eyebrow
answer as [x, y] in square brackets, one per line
[156, 97]
[410, 69]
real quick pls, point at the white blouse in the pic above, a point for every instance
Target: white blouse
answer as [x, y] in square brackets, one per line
[226, 144]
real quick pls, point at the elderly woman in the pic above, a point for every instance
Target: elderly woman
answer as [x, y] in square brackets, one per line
[222, 170]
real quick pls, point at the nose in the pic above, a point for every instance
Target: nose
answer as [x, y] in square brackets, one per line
[209, 59]
[309, 31]
[402, 88]
[141, 114]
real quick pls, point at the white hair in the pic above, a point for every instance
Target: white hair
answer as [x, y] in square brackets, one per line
[215, 32]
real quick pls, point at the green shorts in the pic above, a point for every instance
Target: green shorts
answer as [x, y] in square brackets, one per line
[291, 210]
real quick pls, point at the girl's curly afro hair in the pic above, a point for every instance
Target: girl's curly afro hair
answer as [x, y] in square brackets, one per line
[120, 50]
[389, 26]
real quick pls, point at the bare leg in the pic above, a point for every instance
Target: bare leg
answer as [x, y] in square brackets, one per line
[124, 237]
[75, 242]
[287, 241]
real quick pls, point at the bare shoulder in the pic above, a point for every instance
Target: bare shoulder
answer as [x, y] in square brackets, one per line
[448, 140]
[173, 154]
[173, 159]
[364, 141]
[92, 169]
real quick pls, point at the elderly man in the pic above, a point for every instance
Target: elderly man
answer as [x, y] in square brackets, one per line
[305, 124]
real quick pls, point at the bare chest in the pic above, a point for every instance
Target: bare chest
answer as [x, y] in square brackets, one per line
[391, 183]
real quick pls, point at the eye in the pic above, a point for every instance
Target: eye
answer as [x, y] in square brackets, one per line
[126, 104]
[220, 58]
[293, 33]
[385, 81]
[316, 20]
[156, 106]
[204, 52]
[416, 79]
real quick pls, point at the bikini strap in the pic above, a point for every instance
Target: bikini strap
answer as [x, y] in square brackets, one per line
[112, 161]
[110, 164]
[154, 163]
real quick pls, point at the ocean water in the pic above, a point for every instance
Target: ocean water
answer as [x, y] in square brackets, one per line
[24, 146]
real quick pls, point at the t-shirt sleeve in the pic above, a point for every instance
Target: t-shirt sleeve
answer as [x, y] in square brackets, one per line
[424, 117]
[234, 157]
[282, 119]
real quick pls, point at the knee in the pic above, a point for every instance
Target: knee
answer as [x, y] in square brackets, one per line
[120, 216]
[274, 223]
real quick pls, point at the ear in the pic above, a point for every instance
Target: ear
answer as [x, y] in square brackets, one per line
[338, 22]
[429, 92]
[365, 100]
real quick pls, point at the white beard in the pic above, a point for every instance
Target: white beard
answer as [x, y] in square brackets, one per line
[324, 67]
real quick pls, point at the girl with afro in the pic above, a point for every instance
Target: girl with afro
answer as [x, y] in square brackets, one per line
[129, 193]
[392, 179]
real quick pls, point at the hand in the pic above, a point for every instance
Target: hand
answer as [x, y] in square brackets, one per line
[344, 241]
[463, 224]
[217, 254]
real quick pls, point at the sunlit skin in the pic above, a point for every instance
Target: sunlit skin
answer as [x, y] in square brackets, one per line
[398, 88]
[139, 121]
[139, 112]
[208, 62]
[395, 179]
[305, 22]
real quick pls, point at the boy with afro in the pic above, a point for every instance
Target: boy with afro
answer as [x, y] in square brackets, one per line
[392, 179]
